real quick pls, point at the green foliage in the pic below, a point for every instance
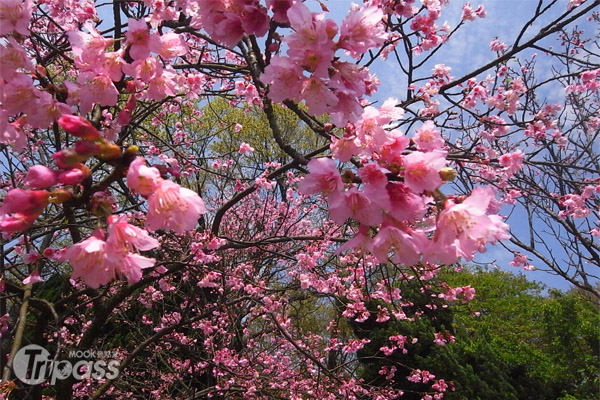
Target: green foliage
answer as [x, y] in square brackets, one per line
[220, 119]
[512, 342]
[549, 341]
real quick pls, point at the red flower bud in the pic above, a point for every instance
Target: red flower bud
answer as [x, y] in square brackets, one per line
[85, 148]
[68, 158]
[79, 126]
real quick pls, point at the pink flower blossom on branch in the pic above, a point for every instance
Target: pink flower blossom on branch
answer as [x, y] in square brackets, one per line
[173, 207]
[15, 16]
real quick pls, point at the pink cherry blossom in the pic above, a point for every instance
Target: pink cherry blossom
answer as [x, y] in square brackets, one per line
[20, 95]
[469, 14]
[280, 8]
[245, 148]
[15, 16]
[49, 109]
[467, 226]
[130, 265]
[34, 277]
[496, 45]
[392, 152]
[89, 261]
[144, 69]
[375, 180]
[314, 60]
[172, 45]
[361, 241]
[96, 89]
[346, 110]
[513, 162]
[162, 86]
[373, 175]
[285, 78]
[323, 177]
[442, 338]
[311, 29]
[254, 19]
[421, 170]
[12, 58]
[124, 237]
[142, 179]
[140, 40]
[344, 148]
[428, 138]
[318, 96]
[406, 247]
[88, 48]
[12, 134]
[405, 205]
[361, 30]
[349, 78]
[172, 207]
[356, 205]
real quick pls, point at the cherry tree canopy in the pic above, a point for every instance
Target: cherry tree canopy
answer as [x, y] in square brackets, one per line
[184, 179]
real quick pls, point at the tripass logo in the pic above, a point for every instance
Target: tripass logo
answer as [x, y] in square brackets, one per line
[33, 365]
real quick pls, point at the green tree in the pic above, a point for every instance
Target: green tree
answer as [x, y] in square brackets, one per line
[513, 342]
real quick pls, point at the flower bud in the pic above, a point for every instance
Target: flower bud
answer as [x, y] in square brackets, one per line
[74, 176]
[86, 148]
[40, 70]
[130, 86]
[16, 223]
[109, 151]
[79, 126]
[40, 177]
[448, 174]
[67, 158]
[132, 149]
[27, 202]
[58, 196]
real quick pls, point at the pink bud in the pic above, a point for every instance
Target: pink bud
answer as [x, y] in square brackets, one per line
[79, 126]
[40, 177]
[34, 277]
[124, 117]
[68, 158]
[86, 148]
[73, 176]
[16, 223]
[26, 202]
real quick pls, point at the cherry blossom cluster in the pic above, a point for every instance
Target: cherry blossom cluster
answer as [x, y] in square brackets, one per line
[99, 259]
[394, 192]
[170, 206]
[330, 86]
